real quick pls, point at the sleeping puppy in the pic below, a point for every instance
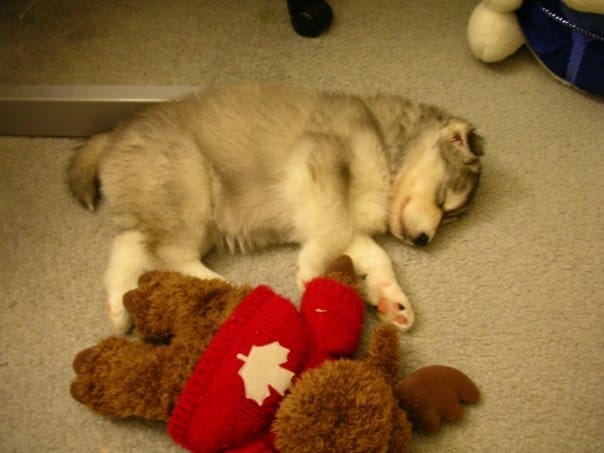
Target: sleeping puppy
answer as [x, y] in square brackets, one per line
[249, 166]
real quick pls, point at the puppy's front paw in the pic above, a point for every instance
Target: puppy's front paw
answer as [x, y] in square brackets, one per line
[303, 276]
[391, 302]
[307, 269]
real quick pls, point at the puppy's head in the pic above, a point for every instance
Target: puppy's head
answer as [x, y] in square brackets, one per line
[436, 181]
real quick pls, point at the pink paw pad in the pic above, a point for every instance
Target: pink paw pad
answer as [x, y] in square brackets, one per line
[386, 306]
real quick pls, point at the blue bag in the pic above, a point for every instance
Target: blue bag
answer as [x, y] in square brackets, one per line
[569, 43]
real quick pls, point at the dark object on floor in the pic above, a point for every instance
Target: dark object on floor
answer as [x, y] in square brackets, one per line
[310, 18]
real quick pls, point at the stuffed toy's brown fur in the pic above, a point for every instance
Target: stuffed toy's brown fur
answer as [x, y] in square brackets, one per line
[123, 378]
[361, 406]
[341, 405]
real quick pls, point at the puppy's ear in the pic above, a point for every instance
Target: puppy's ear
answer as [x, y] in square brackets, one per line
[464, 139]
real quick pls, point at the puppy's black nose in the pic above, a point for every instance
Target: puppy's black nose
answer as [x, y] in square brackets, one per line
[421, 240]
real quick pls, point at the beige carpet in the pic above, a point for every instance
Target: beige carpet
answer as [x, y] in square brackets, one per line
[513, 293]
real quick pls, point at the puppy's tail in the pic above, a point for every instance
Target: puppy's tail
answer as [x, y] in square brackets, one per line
[82, 173]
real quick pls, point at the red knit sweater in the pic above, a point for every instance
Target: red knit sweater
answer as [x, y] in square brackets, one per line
[230, 399]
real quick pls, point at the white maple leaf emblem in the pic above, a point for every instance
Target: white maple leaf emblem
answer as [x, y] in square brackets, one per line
[262, 369]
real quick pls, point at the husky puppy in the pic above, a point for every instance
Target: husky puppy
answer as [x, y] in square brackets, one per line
[249, 166]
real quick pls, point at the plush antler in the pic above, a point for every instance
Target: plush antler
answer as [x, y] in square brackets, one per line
[383, 352]
[434, 393]
[342, 270]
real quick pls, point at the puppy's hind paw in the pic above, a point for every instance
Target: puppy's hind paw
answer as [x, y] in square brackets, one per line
[304, 275]
[120, 318]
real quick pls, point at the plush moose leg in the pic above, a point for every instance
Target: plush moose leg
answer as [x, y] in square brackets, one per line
[123, 378]
[176, 317]
[165, 304]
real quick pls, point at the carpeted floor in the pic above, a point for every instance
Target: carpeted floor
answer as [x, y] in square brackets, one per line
[513, 293]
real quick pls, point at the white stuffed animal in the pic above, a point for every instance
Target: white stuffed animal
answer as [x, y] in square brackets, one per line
[493, 30]
[586, 6]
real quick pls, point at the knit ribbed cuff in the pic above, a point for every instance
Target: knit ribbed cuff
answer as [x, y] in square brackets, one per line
[334, 314]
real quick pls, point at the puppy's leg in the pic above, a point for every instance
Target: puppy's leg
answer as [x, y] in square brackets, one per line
[128, 259]
[182, 253]
[380, 285]
[315, 255]
[319, 189]
[131, 256]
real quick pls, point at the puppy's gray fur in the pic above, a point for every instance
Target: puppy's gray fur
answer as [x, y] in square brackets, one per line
[248, 166]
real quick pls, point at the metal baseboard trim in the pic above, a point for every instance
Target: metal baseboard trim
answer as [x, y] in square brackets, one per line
[75, 110]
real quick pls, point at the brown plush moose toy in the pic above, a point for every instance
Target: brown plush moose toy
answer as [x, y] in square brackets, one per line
[237, 369]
